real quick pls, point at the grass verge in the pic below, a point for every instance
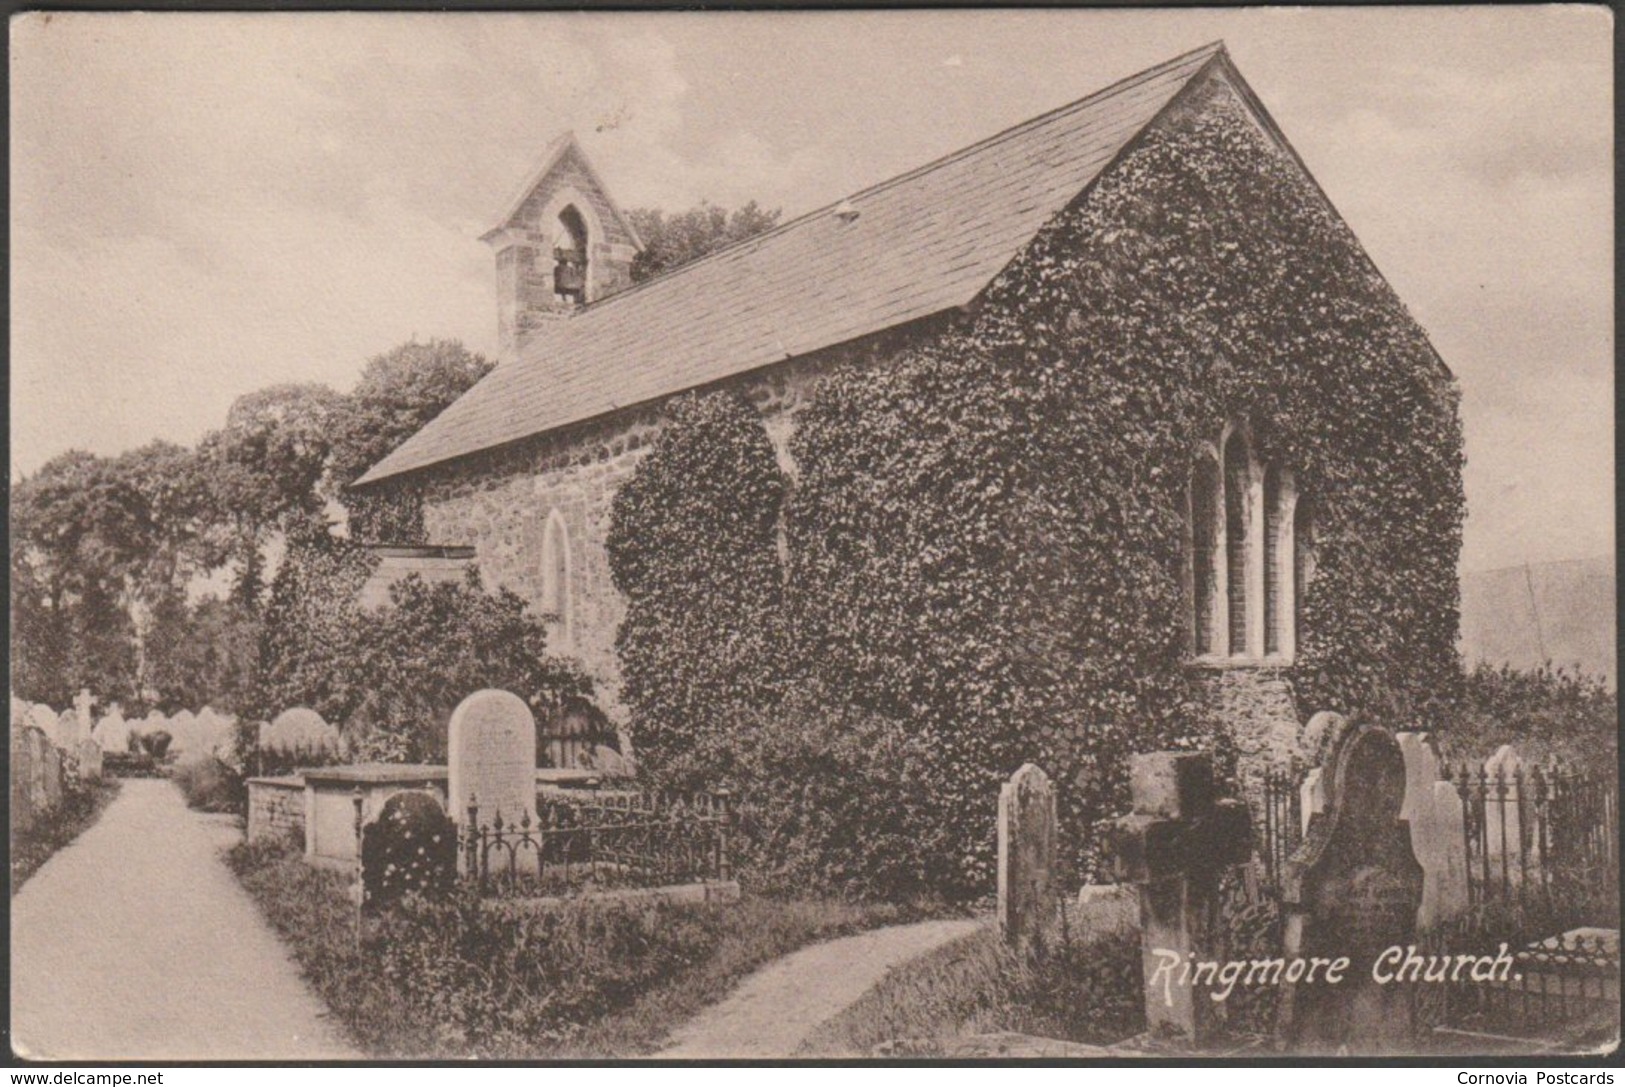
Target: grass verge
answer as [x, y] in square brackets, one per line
[1076, 992]
[457, 979]
[77, 812]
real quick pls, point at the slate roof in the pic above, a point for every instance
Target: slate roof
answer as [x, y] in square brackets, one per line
[924, 242]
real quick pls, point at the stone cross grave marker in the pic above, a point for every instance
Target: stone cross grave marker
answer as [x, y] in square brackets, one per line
[1434, 812]
[491, 762]
[83, 705]
[1174, 847]
[1026, 854]
[1351, 891]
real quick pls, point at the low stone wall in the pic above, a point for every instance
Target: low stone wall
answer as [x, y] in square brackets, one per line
[276, 808]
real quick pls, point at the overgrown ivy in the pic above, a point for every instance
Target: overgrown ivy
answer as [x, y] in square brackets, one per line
[692, 546]
[986, 536]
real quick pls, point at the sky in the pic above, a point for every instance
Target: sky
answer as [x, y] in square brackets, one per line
[206, 204]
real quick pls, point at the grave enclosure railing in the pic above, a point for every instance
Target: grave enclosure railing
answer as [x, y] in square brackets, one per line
[608, 839]
[1543, 840]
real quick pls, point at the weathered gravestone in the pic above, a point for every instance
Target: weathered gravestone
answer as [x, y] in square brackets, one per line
[1510, 830]
[411, 846]
[69, 731]
[1174, 847]
[299, 730]
[1434, 812]
[51, 777]
[1319, 733]
[1350, 892]
[90, 760]
[34, 769]
[84, 705]
[491, 763]
[42, 717]
[1104, 911]
[19, 714]
[1026, 836]
[214, 731]
[183, 730]
[112, 733]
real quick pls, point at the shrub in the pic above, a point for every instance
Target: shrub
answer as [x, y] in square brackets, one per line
[393, 675]
[156, 744]
[79, 810]
[210, 784]
[1544, 712]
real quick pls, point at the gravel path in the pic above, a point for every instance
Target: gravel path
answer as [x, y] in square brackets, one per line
[775, 1009]
[134, 942]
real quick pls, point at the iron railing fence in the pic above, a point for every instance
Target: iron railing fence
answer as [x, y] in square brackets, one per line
[600, 840]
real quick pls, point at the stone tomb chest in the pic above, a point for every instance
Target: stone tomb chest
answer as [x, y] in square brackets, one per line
[330, 798]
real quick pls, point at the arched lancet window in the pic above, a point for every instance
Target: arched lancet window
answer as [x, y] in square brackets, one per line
[1248, 540]
[570, 256]
[1204, 554]
[557, 599]
[1237, 545]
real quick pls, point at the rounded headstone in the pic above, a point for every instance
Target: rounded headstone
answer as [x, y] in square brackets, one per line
[90, 759]
[491, 758]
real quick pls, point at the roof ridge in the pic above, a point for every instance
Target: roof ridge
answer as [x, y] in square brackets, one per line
[1213, 48]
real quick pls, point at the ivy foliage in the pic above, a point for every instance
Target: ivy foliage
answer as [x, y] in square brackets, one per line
[391, 676]
[693, 546]
[986, 536]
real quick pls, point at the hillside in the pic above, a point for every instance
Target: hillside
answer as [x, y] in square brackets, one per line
[1564, 612]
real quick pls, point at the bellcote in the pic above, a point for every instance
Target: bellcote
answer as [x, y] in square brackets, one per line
[561, 243]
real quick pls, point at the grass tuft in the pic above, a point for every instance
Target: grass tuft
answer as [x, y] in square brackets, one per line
[460, 979]
[78, 811]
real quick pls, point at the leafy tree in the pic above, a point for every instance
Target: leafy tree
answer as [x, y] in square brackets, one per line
[670, 241]
[399, 392]
[201, 655]
[266, 465]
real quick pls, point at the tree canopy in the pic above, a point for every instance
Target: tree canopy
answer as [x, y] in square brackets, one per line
[670, 241]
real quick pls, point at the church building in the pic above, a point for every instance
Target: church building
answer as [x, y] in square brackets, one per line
[521, 471]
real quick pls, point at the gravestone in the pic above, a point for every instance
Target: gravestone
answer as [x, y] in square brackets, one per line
[1026, 837]
[411, 846]
[491, 758]
[299, 730]
[1174, 847]
[42, 717]
[19, 714]
[70, 730]
[214, 731]
[112, 733]
[83, 705]
[32, 768]
[1510, 833]
[1434, 812]
[1350, 891]
[90, 759]
[183, 729]
[51, 777]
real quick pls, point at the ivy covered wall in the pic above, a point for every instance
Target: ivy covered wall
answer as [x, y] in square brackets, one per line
[988, 536]
[984, 537]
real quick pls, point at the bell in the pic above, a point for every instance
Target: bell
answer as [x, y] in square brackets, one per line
[567, 278]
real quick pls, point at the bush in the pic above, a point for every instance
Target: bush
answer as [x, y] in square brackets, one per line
[392, 676]
[1544, 712]
[210, 784]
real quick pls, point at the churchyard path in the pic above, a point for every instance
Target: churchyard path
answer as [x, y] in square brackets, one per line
[778, 1007]
[135, 942]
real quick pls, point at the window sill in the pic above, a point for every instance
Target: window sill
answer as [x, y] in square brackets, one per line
[1226, 664]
